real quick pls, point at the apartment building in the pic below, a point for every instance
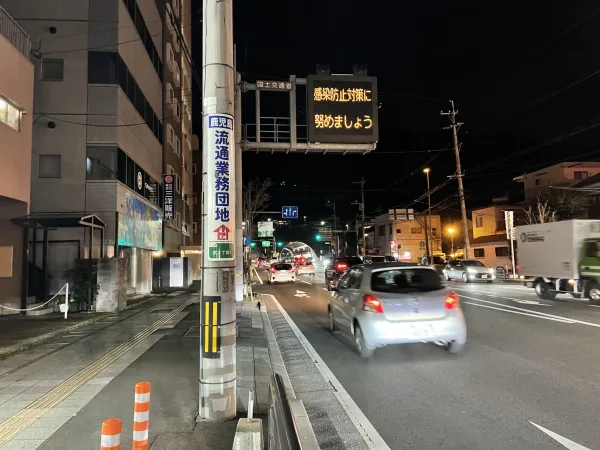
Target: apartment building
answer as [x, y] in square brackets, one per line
[16, 113]
[110, 122]
[539, 182]
[406, 238]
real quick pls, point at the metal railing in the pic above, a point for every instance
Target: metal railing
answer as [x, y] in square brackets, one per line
[289, 426]
[16, 35]
[274, 129]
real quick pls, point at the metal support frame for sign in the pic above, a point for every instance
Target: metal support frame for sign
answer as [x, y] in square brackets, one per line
[290, 142]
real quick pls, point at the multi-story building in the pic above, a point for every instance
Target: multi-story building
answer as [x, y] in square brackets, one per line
[111, 120]
[406, 238]
[16, 113]
[540, 181]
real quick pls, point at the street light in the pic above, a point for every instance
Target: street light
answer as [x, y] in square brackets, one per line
[426, 172]
[318, 237]
[451, 233]
[322, 222]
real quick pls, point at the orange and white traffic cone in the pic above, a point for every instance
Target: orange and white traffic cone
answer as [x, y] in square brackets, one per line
[141, 416]
[111, 434]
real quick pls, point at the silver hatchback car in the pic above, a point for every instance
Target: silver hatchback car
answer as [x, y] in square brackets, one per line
[396, 303]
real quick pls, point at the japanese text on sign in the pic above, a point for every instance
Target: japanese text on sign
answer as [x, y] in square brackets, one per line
[325, 94]
[220, 172]
[169, 197]
[274, 85]
[329, 121]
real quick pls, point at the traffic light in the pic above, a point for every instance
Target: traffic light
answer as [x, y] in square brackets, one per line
[252, 244]
[318, 237]
[280, 244]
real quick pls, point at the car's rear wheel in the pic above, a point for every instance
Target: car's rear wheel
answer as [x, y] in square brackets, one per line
[331, 323]
[593, 293]
[455, 346]
[465, 277]
[361, 346]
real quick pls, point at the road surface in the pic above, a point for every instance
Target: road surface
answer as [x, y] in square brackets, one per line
[528, 378]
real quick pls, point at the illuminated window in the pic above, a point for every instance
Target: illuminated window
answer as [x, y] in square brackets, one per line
[9, 114]
[479, 222]
[416, 230]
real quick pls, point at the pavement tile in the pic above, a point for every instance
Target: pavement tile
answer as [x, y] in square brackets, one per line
[62, 412]
[5, 397]
[50, 422]
[12, 389]
[35, 433]
[20, 444]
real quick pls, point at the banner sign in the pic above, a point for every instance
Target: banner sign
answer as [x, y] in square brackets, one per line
[220, 195]
[169, 197]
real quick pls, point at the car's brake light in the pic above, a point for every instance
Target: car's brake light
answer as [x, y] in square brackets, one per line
[341, 266]
[272, 269]
[372, 304]
[451, 301]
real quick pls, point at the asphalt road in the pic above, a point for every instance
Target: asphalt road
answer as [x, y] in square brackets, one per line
[526, 362]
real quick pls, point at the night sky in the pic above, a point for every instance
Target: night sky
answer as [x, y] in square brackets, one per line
[525, 77]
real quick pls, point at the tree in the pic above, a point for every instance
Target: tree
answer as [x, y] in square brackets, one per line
[558, 204]
[256, 199]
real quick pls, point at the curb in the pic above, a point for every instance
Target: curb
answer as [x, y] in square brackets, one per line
[26, 344]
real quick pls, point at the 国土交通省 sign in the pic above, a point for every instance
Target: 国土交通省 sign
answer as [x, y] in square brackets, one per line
[342, 109]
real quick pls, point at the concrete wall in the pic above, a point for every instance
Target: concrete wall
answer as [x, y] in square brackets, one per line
[490, 259]
[11, 235]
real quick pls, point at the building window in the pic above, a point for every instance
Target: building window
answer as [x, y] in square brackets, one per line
[49, 166]
[479, 221]
[381, 230]
[502, 251]
[9, 114]
[109, 68]
[580, 175]
[53, 69]
[170, 56]
[102, 163]
[177, 146]
[434, 232]
[398, 231]
[176, 74]
[170, 94]
[416, 230]
[195, 227]
[479, 253]
[538, 181]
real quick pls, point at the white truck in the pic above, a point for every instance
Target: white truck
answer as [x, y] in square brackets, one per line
[561, 257]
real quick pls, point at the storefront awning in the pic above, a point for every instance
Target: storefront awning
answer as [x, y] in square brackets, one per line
[59, 220]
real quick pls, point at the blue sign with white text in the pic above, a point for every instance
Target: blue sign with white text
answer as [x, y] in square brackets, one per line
[289, 212]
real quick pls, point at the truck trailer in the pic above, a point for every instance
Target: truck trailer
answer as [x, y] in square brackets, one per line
[561, 257]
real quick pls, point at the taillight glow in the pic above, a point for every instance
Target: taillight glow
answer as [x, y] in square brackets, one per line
[451, 301]
[372, 304]
[341, 266]
[272, 269]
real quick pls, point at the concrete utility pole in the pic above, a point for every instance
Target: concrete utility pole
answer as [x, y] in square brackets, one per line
[428, 227]
[362, 209]
[218, 307]
[461, 191]
[239, 229]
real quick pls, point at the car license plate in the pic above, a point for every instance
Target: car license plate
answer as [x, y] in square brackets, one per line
[422, 330]
[484, 276]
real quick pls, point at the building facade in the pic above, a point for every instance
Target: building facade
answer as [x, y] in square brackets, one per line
[110, 121]
[16, 113]
[406, 238]
[539, 182]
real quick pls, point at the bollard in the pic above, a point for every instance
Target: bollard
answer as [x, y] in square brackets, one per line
[141, 416]
[111, 434]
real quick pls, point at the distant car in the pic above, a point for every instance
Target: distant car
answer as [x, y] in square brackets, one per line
[281, 273]
[468, 270]
[305, 269]
[260, 261]
[337, 266]
[387, 304]
[371, 259]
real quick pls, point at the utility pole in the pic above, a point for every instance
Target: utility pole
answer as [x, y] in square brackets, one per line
[362, 209]
[428, 227]
[239, 228]
[217, 376]
[459, 175]
[334, 235]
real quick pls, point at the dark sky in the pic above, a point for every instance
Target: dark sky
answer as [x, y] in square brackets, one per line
[504, 64]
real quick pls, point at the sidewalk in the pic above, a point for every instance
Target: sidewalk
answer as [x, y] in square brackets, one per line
[19, 333]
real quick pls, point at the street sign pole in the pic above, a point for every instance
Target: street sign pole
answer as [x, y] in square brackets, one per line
[217, 310]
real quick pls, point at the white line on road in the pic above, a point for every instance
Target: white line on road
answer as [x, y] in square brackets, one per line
[372, 438]
[325, 289]
[306, 282]
[517, 312]
[257, 275]
[568, 443]
[537, 313]
[518, 300]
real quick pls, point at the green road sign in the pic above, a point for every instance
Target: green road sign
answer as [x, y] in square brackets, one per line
[220, 250]
[266, 243]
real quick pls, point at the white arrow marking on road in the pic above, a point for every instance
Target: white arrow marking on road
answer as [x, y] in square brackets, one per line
[560, 439]
[527, 302]
[301, 294]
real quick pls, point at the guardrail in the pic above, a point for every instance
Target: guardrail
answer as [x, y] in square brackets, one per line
[289, 427]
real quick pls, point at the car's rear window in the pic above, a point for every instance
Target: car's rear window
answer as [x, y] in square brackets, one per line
[471, 263]
[283, 266]
[353, 261]
[377, 259]
[406, 280]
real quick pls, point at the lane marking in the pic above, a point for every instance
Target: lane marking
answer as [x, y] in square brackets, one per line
[306, 282]
[18, 422]
[567, 443]
[372, 438]
[518, 300]
[581, 322]
[517, 312]
[256, 272]
[301, 294]
[325, 289]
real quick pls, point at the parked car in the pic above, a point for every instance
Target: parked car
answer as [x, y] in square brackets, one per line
[306, 268]
[281, 272]
[370, 259]
[337, 266]
[468, 270]
[385, 304]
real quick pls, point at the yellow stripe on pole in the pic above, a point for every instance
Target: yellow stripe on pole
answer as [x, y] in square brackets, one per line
[206, 322]
[214, 344]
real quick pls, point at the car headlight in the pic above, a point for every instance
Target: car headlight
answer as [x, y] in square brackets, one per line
[492, 271]
[471, 270]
